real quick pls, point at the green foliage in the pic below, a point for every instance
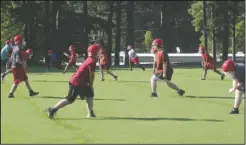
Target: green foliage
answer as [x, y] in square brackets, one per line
[9, 27]
[240, 36]
[196, 12]
[217, 22]
[148, 40]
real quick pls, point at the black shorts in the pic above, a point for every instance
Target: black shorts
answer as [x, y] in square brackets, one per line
[82, 92]
[169, 74]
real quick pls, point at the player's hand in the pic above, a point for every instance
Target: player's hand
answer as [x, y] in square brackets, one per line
[164, 76]
[232, 90]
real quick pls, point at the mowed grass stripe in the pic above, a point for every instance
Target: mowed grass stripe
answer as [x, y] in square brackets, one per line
[126, 113]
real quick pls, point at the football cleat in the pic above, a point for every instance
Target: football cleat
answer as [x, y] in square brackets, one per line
[181, 92]
[234, 111]
[51, 112]
[154, 95]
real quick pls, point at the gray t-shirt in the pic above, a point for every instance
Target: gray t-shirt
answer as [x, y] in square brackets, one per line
[16, 57]
[240, 72]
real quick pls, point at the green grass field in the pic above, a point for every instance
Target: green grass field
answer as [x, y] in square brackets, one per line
[125, 111]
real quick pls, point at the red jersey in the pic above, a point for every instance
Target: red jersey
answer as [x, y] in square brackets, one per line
[160, 58]
[103, 57]
[206, 57]
[72, 54]
[81, 77]
[25, 56]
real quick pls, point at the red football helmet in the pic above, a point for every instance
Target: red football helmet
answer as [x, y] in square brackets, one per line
[18, 39]
[228, 66]
[158, 42]
[93, 50]
[7, 42]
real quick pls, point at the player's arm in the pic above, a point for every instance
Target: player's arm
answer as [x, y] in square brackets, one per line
[66, 54]
[154, 67]
[92, 75]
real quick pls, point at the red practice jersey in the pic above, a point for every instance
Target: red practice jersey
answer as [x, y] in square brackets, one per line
[207, 58]
[25, 56]
[160, 58]
[103, 57]
[81, 77]
[72, 54]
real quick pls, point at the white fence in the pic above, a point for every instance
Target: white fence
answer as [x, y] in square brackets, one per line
[148, 58]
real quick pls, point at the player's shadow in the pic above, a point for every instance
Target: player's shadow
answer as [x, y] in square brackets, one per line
[145, 119]
[100, 99]
[208, 97]
[56, 81]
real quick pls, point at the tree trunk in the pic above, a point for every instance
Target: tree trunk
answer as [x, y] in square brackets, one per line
[213, 34]
[205, 25]
[234, 30]
[46, 29]
[86, 30]
[26, 32]
[225, 30]
[118, 34]
[164, 32]
[110, 18]
[129, 28]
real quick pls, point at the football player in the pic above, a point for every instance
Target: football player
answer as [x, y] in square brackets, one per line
[17, 66]
[72, 58]
[133, 58]
[237, 72]
[208, 63]
[81, 84]
[104, 64]
[162, 69]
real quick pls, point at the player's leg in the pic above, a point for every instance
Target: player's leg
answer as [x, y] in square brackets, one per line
[238, 99]
[70, 98]
[113, 75]
[12, 90]
[28, 86]
[222, 76]
[204, 73]
[171, 84]
[8, 69]
[130, 65]
[49, 64]
[3, 75]
[15, 84]
[110, 73]
[153, 84]
[140, 66]
[65, 70]
[136, 61]
[89, 96]
[101, 67]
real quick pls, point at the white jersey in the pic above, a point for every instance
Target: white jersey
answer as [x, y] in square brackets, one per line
[132, 54]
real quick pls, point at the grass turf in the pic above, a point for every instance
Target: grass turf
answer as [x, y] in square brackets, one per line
[125, 111]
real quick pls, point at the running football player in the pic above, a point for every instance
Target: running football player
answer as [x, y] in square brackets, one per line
[81, 84]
